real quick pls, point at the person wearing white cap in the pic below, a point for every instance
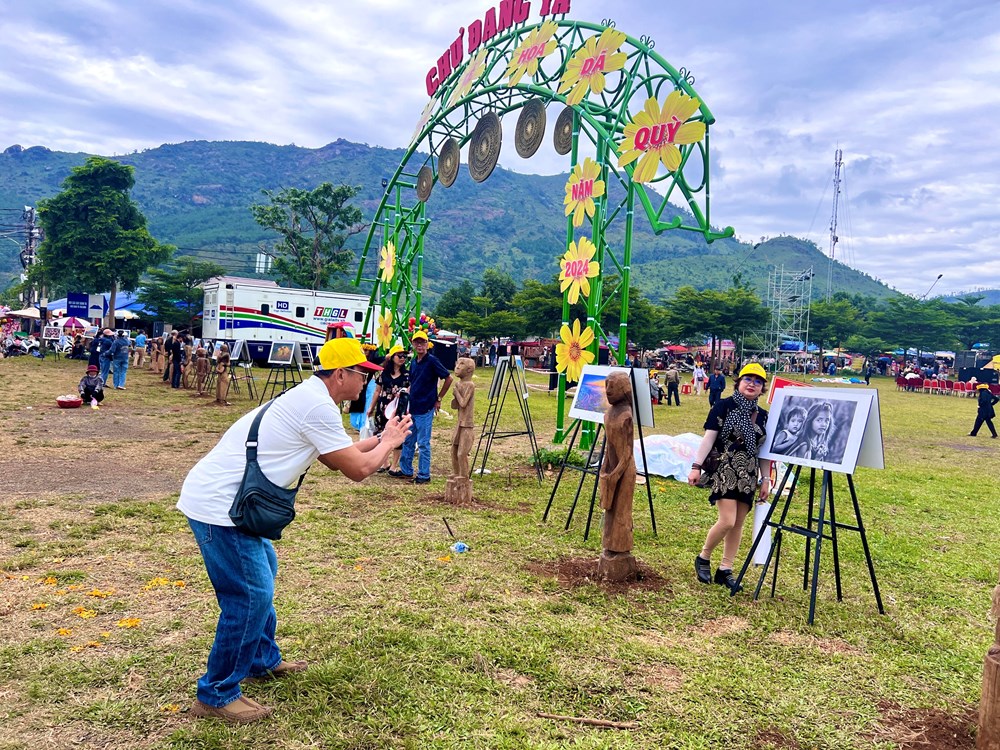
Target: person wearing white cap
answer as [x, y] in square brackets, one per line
[303, 425]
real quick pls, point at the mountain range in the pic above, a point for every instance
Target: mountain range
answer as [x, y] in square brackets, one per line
[196, 195]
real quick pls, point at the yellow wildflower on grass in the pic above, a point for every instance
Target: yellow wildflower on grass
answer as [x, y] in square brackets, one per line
[75, 587]
[572, 354]
[179, 584]
[50, 581]
[84, 613]
[39, 605]
[156, 583]
[65, 631]
[129, 622]
[170, 708]
[97, 593]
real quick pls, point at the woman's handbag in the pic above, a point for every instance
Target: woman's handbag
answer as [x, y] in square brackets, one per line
[261, 508]
[709, 466]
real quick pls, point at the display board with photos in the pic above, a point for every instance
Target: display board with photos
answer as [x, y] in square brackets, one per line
[590, 402]
[51, 332]
[499, 373]
[834, 429]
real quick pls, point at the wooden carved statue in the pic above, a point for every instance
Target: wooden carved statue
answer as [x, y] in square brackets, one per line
[222, 379]
[459, 486]
[988, 736]
[617, 482]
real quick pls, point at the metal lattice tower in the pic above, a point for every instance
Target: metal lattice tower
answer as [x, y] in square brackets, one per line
[834, 239]
[789, 295]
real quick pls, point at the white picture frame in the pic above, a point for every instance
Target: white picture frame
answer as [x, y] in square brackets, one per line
[237, 353]
[590, 404]
[824, 428]
[282, 353]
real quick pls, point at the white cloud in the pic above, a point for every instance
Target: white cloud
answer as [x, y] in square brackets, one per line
[909, 92]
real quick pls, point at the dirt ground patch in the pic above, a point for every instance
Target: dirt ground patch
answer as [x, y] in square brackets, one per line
[572, 572]
[922, 728]
[774, 738]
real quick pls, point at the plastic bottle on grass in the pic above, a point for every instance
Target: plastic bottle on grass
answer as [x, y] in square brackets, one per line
[459, 547]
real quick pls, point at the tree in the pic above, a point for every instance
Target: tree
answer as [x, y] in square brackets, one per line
[909, 322]
[173, 294]
[541, 307]
[833, 322]
[95, 234]
[692, 314]
[455, 300]
[313, 225]
[499, 287]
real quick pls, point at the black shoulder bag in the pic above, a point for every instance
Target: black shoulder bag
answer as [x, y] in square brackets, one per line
[711, 463]
[261, 508]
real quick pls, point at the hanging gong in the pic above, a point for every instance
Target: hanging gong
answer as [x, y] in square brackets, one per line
[448, 161]
[425, 182]
[562, 136]
[530, 128]
[484, 148]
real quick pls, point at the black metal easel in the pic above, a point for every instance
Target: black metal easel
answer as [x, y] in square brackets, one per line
[493, 412]
[279, 379]
[594, 468]
[815, 529]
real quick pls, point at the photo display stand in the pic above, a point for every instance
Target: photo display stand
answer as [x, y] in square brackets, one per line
[241, 369]
[586, 407]
[507, 373]
[285, 372]
[854, 437]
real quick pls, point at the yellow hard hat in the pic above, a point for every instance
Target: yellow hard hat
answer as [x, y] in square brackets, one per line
[754, 368]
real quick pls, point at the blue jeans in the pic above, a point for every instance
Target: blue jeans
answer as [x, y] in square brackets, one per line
[242, 569]
[419, 438]
[121, 367]
[105, 367]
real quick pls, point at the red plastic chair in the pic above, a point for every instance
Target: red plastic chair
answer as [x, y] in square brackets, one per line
[927, 385]
[948, 387]
[900, 382]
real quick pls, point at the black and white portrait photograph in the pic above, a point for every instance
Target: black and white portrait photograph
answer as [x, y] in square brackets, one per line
[820, 429]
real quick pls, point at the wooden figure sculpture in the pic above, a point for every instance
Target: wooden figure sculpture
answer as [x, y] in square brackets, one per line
[988, 737]
[222, 380]
[617, 483]
[459, 486]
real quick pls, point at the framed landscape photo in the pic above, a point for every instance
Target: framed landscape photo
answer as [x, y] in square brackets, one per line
[822, 428]
[282, 353]
[591, 404]
[497, 384]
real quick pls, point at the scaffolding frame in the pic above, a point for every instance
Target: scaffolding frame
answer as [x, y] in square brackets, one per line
[788, 296]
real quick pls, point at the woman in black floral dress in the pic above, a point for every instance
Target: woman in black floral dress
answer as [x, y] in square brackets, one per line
[736, 426]
[391, 386]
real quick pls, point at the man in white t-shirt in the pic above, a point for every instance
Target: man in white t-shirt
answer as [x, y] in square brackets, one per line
[303, 425]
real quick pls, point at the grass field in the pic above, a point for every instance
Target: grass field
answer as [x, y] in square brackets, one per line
[107, 615]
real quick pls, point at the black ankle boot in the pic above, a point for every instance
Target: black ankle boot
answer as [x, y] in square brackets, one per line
[726, 578]
[703, 569]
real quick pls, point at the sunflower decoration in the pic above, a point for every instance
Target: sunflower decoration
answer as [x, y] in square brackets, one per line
[384, 331]
[655, 132]
[587, 67]
[425, 117]
[581, 189]
[473, 72]
[538, 44]
[576, 267]
[572, 354]
[387, 262]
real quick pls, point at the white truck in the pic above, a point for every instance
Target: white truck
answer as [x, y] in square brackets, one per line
[260, 312]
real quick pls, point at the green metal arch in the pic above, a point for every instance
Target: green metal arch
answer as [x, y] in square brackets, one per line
[600, 117]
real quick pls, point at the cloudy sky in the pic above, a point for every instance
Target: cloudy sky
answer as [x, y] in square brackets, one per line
[910, 91]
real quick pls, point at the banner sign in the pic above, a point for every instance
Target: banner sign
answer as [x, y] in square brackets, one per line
[77, 305]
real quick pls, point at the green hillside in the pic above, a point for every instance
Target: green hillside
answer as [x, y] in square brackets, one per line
[196, 196]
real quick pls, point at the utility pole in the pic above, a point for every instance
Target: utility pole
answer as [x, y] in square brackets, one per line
[833, 222]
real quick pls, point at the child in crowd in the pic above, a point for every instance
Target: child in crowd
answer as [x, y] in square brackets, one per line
[92, 387]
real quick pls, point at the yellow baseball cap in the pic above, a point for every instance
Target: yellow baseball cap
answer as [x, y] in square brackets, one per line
[754, 368]
[396, 349]
[344, 352]
[982, 385]
[419, 335]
